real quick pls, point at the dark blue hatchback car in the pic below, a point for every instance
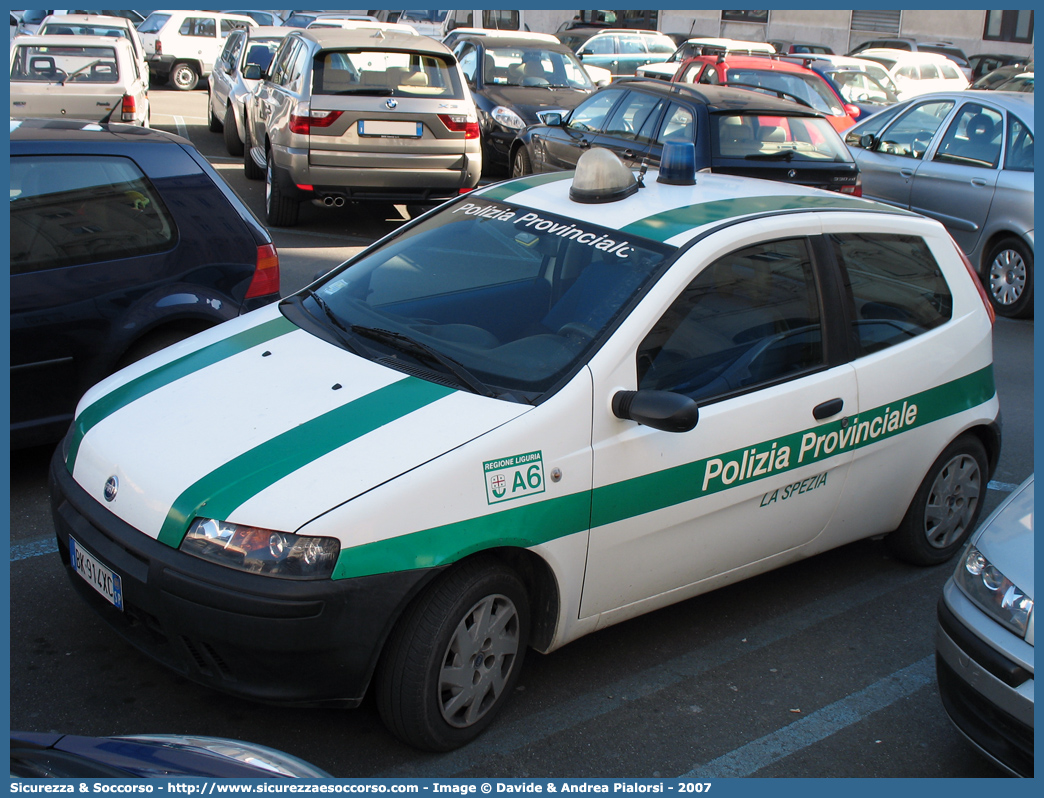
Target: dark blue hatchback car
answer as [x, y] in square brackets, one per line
[123, 241]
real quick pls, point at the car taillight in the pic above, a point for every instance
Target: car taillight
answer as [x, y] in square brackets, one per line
[456, 123]
[128, 108]
[304, 123]
[266, 273]
[159, 47]
[855, 190]
[975, 279]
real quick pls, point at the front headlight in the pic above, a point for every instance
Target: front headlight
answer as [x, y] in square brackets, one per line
[261, 551]
[507, 118]
[993, 592]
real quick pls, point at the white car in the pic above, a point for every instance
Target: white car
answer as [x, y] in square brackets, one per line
[917, 73]
[96, 25]
[701, 46]
[183, 46]
[93, 78]
[547, 406]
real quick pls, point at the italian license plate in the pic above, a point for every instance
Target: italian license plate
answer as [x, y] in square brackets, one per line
[102, 579]
[383, 128]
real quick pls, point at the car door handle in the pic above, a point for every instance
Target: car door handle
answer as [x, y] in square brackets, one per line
[828, 409]
[583, 143]
[906, 172]
[978, 181]
[628, 153]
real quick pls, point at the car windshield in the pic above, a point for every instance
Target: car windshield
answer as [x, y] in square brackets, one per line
[860, 87]
[297, 20]
[504, 299]
[423, 16]
[153, 23]
[789, 138]
[385, 73]
[75, 63]
[807, 89]
[533, 66]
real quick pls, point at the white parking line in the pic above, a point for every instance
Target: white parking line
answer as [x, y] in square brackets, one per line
[182, 127]
[750, 758]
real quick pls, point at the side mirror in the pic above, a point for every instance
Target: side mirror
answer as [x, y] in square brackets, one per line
[252, 72]
[551, 118]
[662, 410]
[852, 111]
[867, 141]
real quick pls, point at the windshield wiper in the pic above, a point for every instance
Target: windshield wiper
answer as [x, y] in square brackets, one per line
[339, 326]
[421, 350]
[79, 71]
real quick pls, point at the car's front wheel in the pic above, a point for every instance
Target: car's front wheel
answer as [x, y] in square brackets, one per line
[946, 507]
[183, 76]
[521, 165]
[454, 658]
[280, 211]
[1009, 278]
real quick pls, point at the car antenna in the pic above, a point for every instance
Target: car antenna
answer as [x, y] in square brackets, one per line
[642, 170]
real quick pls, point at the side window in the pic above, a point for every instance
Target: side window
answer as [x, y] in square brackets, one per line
[680, 125]
[631, 45]
[1020, 146]
[468, 57]
[973, 138]
[630, 115]
[948, 71]
[199, 26]
[281, 67]
[911, 134]
[691, 73]
[908, 72]
[894, 286]
[710, 75]
[601, 45]
[930, 72]
[589, 116]
[228, 25]
[71, 210]
[749, 319]
[296, 69]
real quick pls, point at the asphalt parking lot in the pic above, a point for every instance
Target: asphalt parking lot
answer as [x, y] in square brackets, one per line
[820, 669]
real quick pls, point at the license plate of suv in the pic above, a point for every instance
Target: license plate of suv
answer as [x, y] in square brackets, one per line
[104, 580]
[382, 128]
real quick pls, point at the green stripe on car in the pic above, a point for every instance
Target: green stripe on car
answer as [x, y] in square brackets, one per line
[164, 375]
[666, 225]
[550, 519]
[504, 191]
[221, 491]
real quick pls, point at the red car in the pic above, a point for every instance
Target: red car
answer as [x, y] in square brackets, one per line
[776, 76]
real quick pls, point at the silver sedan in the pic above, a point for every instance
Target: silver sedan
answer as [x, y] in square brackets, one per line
[966, 159]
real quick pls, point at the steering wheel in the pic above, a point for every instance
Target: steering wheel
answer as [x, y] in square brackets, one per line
[576, 329]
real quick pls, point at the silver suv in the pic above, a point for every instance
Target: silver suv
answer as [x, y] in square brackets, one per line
[360, 115]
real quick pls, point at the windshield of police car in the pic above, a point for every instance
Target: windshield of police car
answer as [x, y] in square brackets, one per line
[516, 296]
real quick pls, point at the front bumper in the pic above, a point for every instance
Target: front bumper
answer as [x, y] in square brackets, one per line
[986, 691]
[306, 643]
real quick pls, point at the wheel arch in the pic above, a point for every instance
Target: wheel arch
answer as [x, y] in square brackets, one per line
[994, 238]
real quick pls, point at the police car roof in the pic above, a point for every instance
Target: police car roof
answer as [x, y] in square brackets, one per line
[675, 214]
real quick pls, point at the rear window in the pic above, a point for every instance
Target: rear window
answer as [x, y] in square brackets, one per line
[153, 23]
[776, 138]
[71, 210]
[73, 63]
[385, 73]
[808, 89]
[63, 29]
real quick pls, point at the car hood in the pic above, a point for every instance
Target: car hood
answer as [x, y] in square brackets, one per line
[1006, 539]
[526, 101]
[248, 422]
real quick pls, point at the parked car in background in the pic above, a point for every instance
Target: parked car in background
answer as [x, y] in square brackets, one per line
[854, 83]
[623, 50]
[183, 46]
[228, 89]
[1022, 82]
[918, 73]
[966, 159]
[779, 76]
[123, 241]
[984, 63]
[911, 45]
[265, 18]
[984, 639]
[733, 132]
[300, 19]
[344, 116]
[514, 82]
[67, 756]
[96, 25]
[700, 46]
[455, 35]
[360, 24]
[94, 78]
[30, 20]
[800, 48]
[993, 79]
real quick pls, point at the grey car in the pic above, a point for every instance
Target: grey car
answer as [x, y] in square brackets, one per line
[228, 88]
[360, 115]
[984, 640]
[966, 159]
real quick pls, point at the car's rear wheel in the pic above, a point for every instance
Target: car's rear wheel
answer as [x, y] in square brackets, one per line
[520, 164]
[183, 76]
[280, 211]
[233, 143]
[454, 657]
[251, 171]
[1009, 278]
[213, 123]
[946, 507]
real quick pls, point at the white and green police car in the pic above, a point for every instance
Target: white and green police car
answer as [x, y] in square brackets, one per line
[548, 406]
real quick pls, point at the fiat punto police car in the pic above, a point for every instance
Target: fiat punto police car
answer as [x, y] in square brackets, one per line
[548, 406]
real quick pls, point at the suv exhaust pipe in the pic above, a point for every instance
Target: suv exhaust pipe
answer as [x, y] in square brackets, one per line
[335, 202]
